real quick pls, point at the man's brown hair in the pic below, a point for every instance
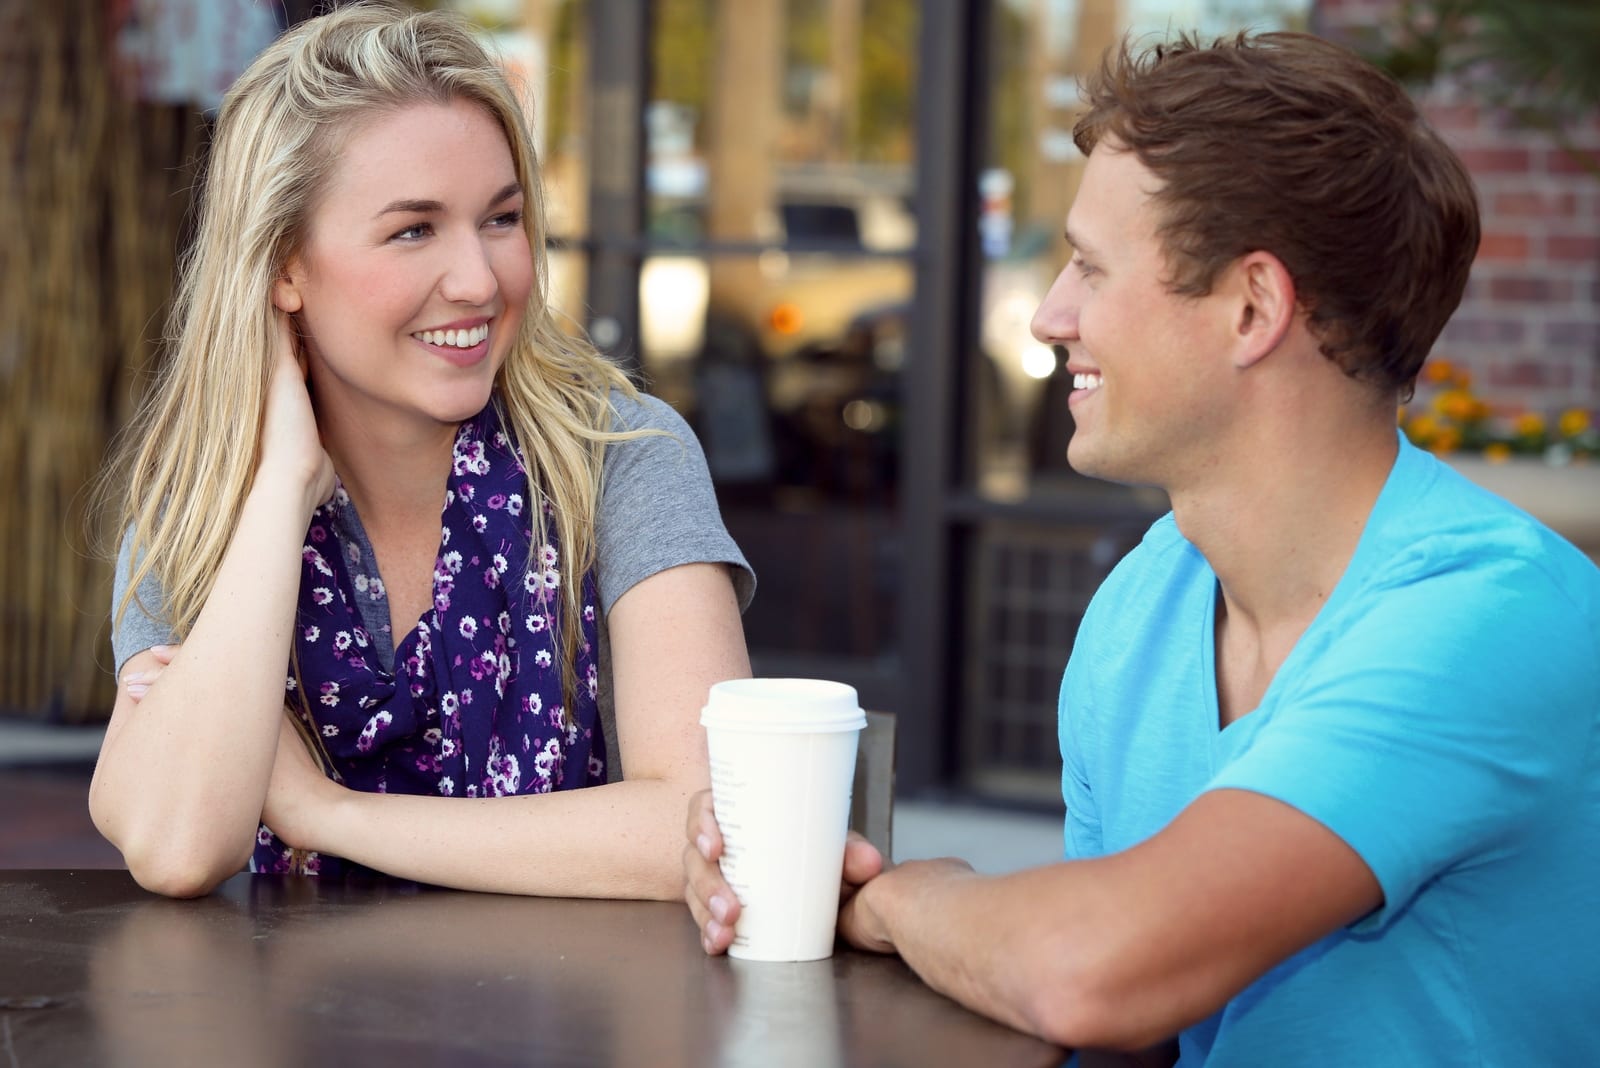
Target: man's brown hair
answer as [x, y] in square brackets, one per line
[1289, 144]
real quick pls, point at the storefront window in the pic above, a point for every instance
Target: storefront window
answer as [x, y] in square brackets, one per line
[773, 306]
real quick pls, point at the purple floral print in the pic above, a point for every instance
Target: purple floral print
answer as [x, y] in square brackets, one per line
[474, 706]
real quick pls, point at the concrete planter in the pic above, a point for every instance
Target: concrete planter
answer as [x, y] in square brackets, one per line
[1566, 499]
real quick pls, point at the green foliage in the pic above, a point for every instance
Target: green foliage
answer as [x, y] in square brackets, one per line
[1538, 60]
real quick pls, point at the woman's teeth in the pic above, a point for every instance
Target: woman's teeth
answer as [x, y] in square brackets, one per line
[456, 339]
[1085, 381]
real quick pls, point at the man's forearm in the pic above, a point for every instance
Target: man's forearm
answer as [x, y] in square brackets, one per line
[973, 938]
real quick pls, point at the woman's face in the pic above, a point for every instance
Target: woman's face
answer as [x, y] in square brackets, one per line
[415, 275]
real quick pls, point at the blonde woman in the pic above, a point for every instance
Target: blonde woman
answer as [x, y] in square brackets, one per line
[375, 486]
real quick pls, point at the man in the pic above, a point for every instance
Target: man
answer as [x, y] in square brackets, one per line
[1330, 739]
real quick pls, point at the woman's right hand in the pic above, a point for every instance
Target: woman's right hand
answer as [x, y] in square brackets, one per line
[291, 445]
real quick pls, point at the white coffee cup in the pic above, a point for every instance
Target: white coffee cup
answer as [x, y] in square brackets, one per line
[783, 756]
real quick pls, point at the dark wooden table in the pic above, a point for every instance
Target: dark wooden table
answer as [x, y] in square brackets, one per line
[293, 971]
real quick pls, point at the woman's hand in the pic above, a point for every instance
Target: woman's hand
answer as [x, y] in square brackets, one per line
[298, 792]
[291, 445]
[712, 901]
[138, 683]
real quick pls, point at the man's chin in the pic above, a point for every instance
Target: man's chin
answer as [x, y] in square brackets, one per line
[1091, 464]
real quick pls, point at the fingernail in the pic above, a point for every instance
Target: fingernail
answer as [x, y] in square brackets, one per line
[703, 843]
[136, 677]
[137, 690]
[161, 650]
[713, 932]
[705, 943]
[719, 908]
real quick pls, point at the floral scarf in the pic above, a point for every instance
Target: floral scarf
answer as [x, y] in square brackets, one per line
[473, 707]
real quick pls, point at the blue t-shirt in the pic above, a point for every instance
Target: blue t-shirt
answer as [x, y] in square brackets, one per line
[1439, 715]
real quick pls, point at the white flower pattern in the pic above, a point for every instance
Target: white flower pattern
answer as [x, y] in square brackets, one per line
[455, 716]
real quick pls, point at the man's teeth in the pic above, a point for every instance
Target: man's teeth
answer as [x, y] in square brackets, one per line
[1081, 381]
[456, 339]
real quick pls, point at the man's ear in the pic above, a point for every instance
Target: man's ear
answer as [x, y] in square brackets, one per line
[286, 290]
[1266, 306]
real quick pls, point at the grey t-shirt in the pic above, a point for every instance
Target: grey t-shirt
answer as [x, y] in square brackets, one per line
[657, 510]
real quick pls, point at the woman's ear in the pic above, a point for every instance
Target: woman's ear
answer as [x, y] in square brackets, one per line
[286, 290]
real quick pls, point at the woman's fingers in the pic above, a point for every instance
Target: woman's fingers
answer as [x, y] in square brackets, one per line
[711, 900]
[138, 680]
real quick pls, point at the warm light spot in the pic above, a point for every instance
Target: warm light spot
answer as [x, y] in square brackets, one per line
[786, 318]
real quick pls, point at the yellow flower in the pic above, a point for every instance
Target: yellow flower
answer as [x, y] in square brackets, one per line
[1456, 404]
[1400, 416]
[1448, 440]
[1573, 422]
[1530, 425]
[1497, 452]
[1423, 428]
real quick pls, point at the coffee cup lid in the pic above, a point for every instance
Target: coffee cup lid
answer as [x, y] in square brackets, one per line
[793, 706]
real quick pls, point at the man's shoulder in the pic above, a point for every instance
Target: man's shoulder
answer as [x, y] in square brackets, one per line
[1164, 558]
[1450, 528]
[1159, 580]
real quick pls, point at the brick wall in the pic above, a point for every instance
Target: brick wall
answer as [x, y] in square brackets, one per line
[1529, 327]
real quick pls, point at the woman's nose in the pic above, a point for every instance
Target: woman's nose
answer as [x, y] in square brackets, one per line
[469, 276]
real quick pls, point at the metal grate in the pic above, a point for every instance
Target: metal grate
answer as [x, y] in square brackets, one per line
[1029, 586]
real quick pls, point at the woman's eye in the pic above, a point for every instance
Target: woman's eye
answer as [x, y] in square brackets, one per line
[507, 219]
[412, 233]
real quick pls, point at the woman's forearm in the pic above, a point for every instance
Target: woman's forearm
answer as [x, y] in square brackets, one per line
[622, 840]
[183, 771]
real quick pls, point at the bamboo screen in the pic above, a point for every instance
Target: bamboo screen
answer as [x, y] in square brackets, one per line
[94, 188]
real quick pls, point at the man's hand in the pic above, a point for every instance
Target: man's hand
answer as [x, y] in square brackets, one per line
[864, 912]
[712, 901]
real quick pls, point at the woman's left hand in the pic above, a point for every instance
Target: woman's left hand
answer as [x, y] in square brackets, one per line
[298, 792]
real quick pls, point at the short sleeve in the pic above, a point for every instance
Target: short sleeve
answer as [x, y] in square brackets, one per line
[1446, 716]
[658, 508]
[1074, 718]
[145, 622]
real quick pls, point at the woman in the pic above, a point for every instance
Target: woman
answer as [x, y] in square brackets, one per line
[360, 335]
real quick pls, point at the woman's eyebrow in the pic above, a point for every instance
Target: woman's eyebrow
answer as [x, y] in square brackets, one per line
[423, 207]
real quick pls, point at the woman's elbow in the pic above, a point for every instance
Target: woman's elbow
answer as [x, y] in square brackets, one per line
[173, 872]
[168, 863]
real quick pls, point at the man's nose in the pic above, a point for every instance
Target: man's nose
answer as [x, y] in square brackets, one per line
[1056, 320]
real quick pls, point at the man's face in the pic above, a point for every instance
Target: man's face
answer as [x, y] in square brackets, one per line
[1153, 383]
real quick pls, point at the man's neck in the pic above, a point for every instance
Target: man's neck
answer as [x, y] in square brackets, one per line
[1280, 532]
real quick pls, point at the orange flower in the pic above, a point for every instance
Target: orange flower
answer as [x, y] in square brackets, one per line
[1438, 371]
[1497, 452]
[1530, 425]
[1462, 379]
[1573, 422]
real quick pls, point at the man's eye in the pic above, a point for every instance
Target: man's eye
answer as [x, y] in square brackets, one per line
[1084, 268]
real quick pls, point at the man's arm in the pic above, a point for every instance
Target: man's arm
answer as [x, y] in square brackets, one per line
[1123, 951]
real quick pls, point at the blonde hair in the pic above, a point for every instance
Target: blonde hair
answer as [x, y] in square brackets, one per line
[189, 456]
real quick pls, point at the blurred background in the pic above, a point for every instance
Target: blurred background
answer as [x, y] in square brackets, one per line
[818, 228]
